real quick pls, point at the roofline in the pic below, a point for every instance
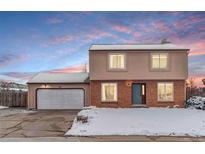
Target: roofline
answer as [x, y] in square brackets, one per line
[58, 82]
[148, 50]
[129, 44]
[185, 49]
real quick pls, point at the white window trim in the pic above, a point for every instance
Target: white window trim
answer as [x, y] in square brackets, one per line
[102, 92]
[172, 92]
[160, 69]
[117, 69]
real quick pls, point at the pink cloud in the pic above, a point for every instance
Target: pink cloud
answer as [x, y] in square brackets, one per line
[194, 19]
[72, 69]
[196, 53]
[183, 23]
[98, 34]
[62, 39]
[198, 79]
[145, 27]
[26, 76]
[121, 28]
[128, 30]
[85, 36]
[187, 22]
[160, 25]
[202, 28]
[137, 34]
[11, 58]
[21, 75]
[197, 48]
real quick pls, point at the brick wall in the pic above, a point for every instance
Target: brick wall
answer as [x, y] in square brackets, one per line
[125, 94]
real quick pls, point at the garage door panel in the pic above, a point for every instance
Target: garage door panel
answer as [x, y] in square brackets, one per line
[60, 98]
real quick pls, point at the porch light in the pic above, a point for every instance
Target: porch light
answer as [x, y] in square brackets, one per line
[143, 90]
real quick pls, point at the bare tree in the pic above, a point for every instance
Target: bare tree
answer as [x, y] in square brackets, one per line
[4, 85]
[192, 82]
[203, 80]
[85, 68]
[191, 87]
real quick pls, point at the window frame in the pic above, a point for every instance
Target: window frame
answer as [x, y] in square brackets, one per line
[172, 92]
[103, 83]
[160, 69]
[117, 69]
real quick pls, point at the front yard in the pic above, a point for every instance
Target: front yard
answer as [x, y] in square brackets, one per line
[140, 121]
[152, 124]
[6, 111]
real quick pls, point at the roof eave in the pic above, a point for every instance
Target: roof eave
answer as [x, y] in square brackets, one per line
[57, 83]
[148, 50]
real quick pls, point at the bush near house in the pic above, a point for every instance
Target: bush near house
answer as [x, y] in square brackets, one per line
[196, 102]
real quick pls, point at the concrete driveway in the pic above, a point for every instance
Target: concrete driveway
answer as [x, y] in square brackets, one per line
[38, 124]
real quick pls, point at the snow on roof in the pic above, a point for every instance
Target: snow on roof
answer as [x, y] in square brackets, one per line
[166, 46]
[60, 78]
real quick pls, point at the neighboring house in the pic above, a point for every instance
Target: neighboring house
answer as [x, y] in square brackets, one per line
[123, 76]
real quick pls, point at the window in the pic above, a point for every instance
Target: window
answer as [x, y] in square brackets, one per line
[117, 61]
[165, 91]
[160, 61]
[109, 92]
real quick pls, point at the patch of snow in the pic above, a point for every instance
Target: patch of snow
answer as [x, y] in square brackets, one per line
[89, 107]
[3, 107]
[17, 89]
[140, 121]
[11, 111]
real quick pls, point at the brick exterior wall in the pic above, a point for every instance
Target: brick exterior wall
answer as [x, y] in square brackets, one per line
[125, 94]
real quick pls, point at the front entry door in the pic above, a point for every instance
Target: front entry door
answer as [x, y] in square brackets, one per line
[138, 93]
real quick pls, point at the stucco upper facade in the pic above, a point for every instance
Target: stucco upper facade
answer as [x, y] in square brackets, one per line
[138, 65]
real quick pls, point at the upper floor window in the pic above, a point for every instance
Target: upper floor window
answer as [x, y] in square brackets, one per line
[117, 61]
[159, 60]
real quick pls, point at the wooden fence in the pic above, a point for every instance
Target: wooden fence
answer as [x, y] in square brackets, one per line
[13, 98]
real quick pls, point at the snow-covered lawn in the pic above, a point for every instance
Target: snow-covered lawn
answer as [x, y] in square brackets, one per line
[140, 121]
[3, 107]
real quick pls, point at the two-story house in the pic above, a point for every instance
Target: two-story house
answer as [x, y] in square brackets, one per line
[151, 75]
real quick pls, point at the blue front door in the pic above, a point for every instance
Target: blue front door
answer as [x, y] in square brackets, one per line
[137, 93]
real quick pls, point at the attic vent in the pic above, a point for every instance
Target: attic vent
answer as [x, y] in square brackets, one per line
[165, 41]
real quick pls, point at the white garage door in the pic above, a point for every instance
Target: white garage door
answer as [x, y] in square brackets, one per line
[60, 98]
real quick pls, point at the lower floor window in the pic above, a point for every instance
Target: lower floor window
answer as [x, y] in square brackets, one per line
[109, 92]
[165, 91]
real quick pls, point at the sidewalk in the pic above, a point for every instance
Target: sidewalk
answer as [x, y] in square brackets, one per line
[107, 139]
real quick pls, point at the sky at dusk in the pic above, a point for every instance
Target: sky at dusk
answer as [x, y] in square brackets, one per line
[33, 42]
